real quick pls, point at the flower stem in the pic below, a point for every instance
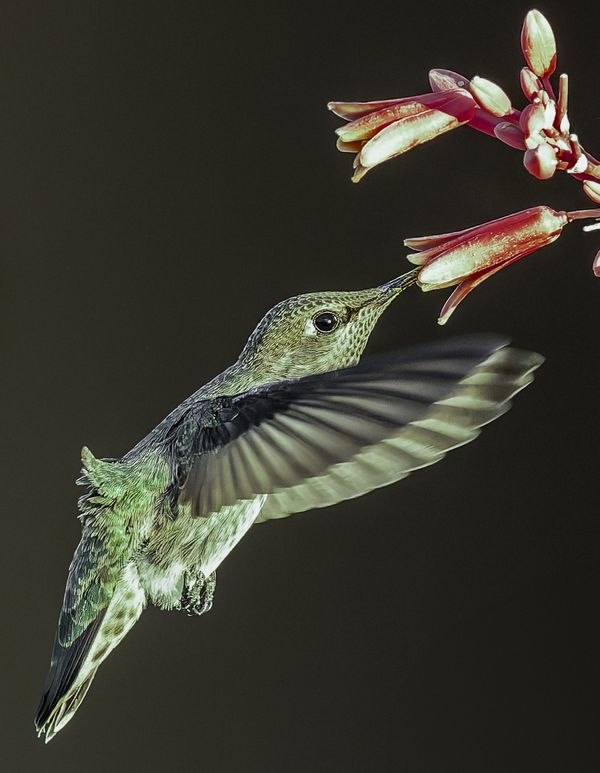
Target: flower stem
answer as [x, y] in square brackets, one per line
[583, 214]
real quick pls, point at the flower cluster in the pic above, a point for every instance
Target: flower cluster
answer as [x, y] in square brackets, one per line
[378, 131]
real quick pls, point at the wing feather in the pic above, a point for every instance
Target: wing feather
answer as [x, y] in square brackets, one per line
[317, 440]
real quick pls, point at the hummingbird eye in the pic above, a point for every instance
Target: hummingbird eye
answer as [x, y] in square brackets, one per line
[326, 321]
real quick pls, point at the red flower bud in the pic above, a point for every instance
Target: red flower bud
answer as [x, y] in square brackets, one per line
[538, 44]
[531, 85]
[490, 97]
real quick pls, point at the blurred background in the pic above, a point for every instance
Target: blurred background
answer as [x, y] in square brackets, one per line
[170, 173]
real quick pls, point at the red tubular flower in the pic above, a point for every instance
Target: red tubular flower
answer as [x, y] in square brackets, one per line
[466, 258]
[381, 130]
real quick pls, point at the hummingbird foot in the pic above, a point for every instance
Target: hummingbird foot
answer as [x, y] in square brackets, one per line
[198, 591]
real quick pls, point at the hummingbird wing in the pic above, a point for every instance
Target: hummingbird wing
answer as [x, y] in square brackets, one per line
[283, 439]
[483, 395]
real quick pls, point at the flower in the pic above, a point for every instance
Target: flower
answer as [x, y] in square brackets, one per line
[378, 131]
[467, 258]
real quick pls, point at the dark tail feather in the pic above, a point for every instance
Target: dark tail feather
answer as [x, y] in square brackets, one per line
[74, 666]
[59, 700]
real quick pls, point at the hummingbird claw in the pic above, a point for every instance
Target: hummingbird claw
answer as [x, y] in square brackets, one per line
[198, 591]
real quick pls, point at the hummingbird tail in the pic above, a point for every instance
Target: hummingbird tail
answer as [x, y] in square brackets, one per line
[73, 667]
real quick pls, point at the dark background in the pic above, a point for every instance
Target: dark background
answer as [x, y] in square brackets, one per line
[170, 173]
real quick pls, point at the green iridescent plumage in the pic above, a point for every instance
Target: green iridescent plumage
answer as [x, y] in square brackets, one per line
[295, 423]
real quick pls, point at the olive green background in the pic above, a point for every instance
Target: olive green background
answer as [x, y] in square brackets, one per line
[169, 173]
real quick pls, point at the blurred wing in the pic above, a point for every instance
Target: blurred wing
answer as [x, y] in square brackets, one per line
[291, 439]
[479, 398]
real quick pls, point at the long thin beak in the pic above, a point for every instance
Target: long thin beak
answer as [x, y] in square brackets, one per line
[384, 294]
[399, 284]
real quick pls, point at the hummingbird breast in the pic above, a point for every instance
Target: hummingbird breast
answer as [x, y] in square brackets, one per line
[188, 543]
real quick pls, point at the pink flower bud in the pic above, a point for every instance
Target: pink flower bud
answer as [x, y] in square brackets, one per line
[591, 188]
[490, 96]
[446, 80]
[538, 44]
[531, 85]
[510, 134]
[541, 162]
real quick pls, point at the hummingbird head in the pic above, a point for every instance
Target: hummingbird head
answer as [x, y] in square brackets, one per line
[316, 332]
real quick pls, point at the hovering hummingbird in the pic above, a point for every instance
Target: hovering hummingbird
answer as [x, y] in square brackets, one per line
[294, 424]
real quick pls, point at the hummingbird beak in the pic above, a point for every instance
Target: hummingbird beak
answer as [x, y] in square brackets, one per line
[396, 286]
[390, 290]
[381, 296]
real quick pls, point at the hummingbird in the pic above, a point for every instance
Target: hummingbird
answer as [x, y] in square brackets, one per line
[298, 422]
